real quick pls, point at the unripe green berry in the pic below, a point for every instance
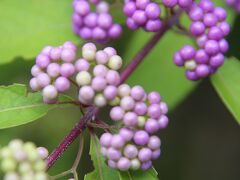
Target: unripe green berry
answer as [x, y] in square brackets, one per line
[15, 144]
[39, 166]
[141, 121]
[11, 176]
[29, 176]
[5, 152]
[24, 168]
[124, 90]
[115, 62]
[8, 165]
[50, 92]
[89, 54]
[19, 155]
[115, 101]
[83, 78]
[33, 155]
[100, 100]
[29, 146]
[41, 176]
[135, 164]
[190, 65]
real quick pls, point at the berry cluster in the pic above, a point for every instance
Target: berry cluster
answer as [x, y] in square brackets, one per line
[91, 25]
[235, 4]
[135, 146]
[210, 29]
[21, 160]
[97, 75]
[181, 3]
[52, 71]
[143, 13]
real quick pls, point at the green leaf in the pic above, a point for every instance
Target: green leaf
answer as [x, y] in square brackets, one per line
[18, 107]
[27, 26]
[226, 81]
[102, 171]
[150, 174]
[158, 72]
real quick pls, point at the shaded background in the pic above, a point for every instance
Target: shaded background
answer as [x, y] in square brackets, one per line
[201, 142]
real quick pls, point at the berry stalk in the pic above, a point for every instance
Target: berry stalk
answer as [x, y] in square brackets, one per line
[92, 111]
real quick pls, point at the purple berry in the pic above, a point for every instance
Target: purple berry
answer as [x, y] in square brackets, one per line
[130, 151]
[141, 138]
[106, 139]
[117, 141]
[154, 111]
[42, 61]
[145, 154]
[53, 70]
[146, 165]
[140, 108]
[113, 154]
[123, 164]
[62, 84]
[127, 103]
[117, 113]
[151, 126]
[152, 11]
[126, 133]
[130, 119]
[67, 69]
[154, 143]
[156, 154]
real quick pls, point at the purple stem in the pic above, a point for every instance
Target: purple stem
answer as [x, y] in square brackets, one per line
[92, 111]
[78, 129]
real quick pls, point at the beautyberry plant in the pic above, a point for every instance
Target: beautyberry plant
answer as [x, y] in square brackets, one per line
[98, 70]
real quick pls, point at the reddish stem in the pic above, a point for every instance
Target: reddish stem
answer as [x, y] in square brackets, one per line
[92, 111]
[78, 129]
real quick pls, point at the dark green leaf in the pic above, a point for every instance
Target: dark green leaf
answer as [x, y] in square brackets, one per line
[227, 83]
[18, 107]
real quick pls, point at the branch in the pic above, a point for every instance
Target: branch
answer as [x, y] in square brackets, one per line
[92, 111]
[78, 129]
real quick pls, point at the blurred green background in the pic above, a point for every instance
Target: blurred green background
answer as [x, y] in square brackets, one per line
[202, 141]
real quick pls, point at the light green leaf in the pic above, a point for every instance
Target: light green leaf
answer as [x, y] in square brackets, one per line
[158, 72]
[226, 81]
[18, 107]
[29, 25]
[150, 174]
[102, 171]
